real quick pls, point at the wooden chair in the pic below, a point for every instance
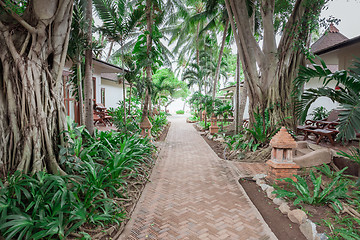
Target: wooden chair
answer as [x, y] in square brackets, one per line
[103, 113]
[97, 119]
[309, 124]
[324, 128]
[321, 134]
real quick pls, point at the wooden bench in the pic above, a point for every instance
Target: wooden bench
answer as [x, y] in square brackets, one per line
[321, 133]
[97, 118]
[309, 124]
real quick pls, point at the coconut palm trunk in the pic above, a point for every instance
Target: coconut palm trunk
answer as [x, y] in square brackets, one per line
[148, 51]
[217, 73]
[110, 50]
[80, 94]
[88, 83]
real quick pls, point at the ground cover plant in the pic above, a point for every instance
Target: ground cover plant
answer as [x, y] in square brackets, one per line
[101, 170]
[180, 112]
[327, 187]
[347, 96]
[251, 138]
[302, 193]
[158, 121]
[319, 113]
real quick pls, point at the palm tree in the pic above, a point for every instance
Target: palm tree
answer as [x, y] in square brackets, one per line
[119, 22]
[76, 49]
[88, 88]
[217, 14]
[186, 32]
[194, 74]
[348, 96]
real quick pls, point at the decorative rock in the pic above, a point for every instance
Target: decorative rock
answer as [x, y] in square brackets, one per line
[259, 182]
[259, 176]
[264, 186]
[269, 193]
[297, 216]
[284, 208]
[321, 236]
[315, 158]
[278, 201]
[308, 228]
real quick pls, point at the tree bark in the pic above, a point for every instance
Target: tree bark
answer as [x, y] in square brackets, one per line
[32, 57]
[270, 70]
[129, 108]
[123, 81]
[242, 102]
[148, 48]
[237, 96]
[110, 50]
[88, 83]
[217, 73]
[80, 94]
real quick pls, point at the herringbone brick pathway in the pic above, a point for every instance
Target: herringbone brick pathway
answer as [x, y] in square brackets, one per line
[193, 195]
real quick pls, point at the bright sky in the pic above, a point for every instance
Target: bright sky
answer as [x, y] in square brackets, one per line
[348, 12]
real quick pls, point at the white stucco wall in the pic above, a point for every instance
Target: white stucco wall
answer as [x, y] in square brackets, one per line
[322, 101]
[113, 93]
[97, 75]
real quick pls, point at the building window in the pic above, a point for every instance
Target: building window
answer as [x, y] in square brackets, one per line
[103, 96]
[71, 105]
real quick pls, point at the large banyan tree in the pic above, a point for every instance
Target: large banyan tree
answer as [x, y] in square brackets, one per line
[34, 38]
[271, 68]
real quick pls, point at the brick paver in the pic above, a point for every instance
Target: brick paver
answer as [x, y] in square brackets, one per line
[193, 195]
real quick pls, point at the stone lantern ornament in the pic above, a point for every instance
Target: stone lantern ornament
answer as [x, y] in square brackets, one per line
[146, 126]
[281, 164]
[214, 128]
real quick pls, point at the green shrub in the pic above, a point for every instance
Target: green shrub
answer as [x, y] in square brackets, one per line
[202, 124]
[354, 154]
[329, 195]
[344, 228]
[262, 130]
[38, 206]
[158, 122]
[50, 206]
[194, 119]
[259, 135]
[325, 169]
[180, 112]
[319, 113]
[131, 126]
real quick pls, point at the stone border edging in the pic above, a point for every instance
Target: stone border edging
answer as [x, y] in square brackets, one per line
[298, 216]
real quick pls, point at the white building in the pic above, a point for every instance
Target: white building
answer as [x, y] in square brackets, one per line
[338, 53]
[107, 86]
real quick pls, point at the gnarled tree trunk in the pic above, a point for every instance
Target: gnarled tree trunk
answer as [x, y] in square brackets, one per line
[270, 70]
[32, 57]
